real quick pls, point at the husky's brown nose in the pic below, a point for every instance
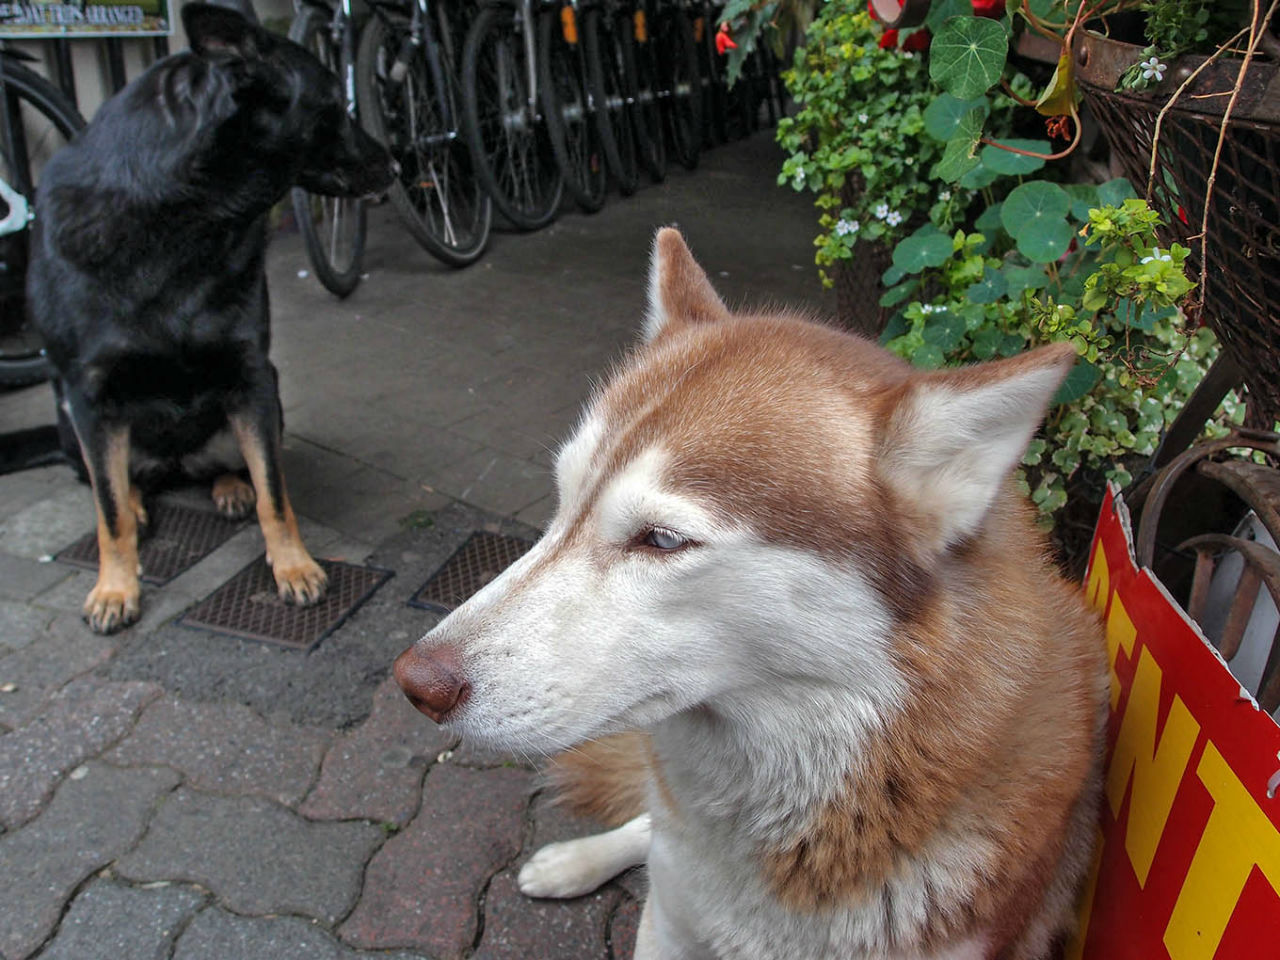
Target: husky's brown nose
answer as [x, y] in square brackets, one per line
[432, 680]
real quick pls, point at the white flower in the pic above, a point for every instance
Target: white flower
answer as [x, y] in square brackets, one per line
[863, 118]
[1153, 69]
[846, 227]
[908, 54]
[798, 182]
[894, 218]
[945, 195]
[926, 308]
[1156, 254]
[882, 211]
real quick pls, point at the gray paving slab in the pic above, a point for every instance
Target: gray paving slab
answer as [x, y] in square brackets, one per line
[421, 887]
[21, 624]
[25, 578]
[48, 525]
[225, 748]
[59, 653]
[93, 818]
[79, 721]
[256, 856]
[112, 921]
[218, 935]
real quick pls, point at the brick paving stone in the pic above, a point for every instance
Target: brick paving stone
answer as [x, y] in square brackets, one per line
[48, 526]
[111, 921]
[218, 935]
[517, 927]
[472, 753]
[421, 888]
[20, 624]
[622, 928]
[375, 771]
[256, 856]
[92, 819]
[82, 719]
[23, 578]
[39, 670]
[225, 748]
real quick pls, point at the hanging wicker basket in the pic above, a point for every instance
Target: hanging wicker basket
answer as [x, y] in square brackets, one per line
[1242, 293]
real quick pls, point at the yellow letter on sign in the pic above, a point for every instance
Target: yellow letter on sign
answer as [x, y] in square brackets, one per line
[1237, 838]
[1156, 770]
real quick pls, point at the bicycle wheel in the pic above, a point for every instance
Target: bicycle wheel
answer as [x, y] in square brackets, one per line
[437, 195]
[714, 97]
[333, 228]
[510, 150]
[613, 90]
[650, 142]
[567, 106]
[677, 59]
[41, 119]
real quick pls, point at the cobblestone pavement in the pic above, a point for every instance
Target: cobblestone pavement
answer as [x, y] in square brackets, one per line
[172, 793]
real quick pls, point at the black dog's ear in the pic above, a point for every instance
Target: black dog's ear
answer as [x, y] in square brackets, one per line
[219, 31]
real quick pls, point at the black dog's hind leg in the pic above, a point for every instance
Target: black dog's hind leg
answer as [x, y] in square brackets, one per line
[115, 600]
[299, 579]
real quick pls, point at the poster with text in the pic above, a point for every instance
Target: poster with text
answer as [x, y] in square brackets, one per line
[1188, 863]
[85, 18]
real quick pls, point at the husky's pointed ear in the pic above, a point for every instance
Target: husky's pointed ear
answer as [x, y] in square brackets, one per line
[219, 31]
[956, 434]
[679, 291]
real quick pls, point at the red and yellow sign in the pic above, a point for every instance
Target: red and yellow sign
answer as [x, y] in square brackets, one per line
[1188, 866]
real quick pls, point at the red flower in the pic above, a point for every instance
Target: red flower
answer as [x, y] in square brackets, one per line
[1182, 214]
[724, 42]
[889, 40]
[989, 8]
[917, 41]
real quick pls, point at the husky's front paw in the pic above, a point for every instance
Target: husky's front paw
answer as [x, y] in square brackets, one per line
[562, 870]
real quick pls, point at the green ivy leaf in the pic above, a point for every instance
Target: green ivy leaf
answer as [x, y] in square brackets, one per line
[967, 55]
[989, 289]
[943, 116]
[1083, 377]
[1015, 164]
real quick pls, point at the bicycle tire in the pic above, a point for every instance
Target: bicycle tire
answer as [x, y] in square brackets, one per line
[527, 191]
[565, 94]
[650, 138]
[437, 196]
[613, 91]
[22, 360]
[715, 119]
[338, 270]
[682, 85]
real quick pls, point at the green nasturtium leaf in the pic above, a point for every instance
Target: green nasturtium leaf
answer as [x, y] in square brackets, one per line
[989, 289]
[944, 330]
[988, 221]
[944, 114]
[929, 356]
[915, 253]
[1045, 241]
[979, 177]
[1033, 203]
[1084, 197]
[1019, 279]
[1084, 376]
[942, 10]
[1115, 192]
[986, 342]
[967, 55]
[896, 327]
[1015, 164]
[896, 295]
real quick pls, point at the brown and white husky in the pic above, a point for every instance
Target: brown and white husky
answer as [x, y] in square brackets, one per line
[865, 711]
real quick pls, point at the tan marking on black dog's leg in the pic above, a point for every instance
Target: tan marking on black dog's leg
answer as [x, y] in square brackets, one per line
[233, 496]
[115, 600]
[137, 506]
[299, 578]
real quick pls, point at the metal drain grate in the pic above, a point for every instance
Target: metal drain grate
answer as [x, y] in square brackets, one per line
[482, 557]
[248, 606]
[176, 538]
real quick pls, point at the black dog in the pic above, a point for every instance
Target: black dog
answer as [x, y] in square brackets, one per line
[147, 280]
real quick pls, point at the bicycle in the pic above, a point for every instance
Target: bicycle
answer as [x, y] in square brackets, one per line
[408, 93]
[609, 46]
[36, 118]
[570, 106]
[333, 228]
[649, 116]
[503, 118]
[679, 78]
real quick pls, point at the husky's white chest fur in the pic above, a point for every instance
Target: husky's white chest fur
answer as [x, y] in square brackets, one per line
[868, 711]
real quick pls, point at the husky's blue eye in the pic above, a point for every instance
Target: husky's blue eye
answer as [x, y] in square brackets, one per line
[663, 539]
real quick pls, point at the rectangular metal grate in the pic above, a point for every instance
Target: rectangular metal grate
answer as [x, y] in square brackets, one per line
[248, 606]
[176, 538]
[482, 557]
